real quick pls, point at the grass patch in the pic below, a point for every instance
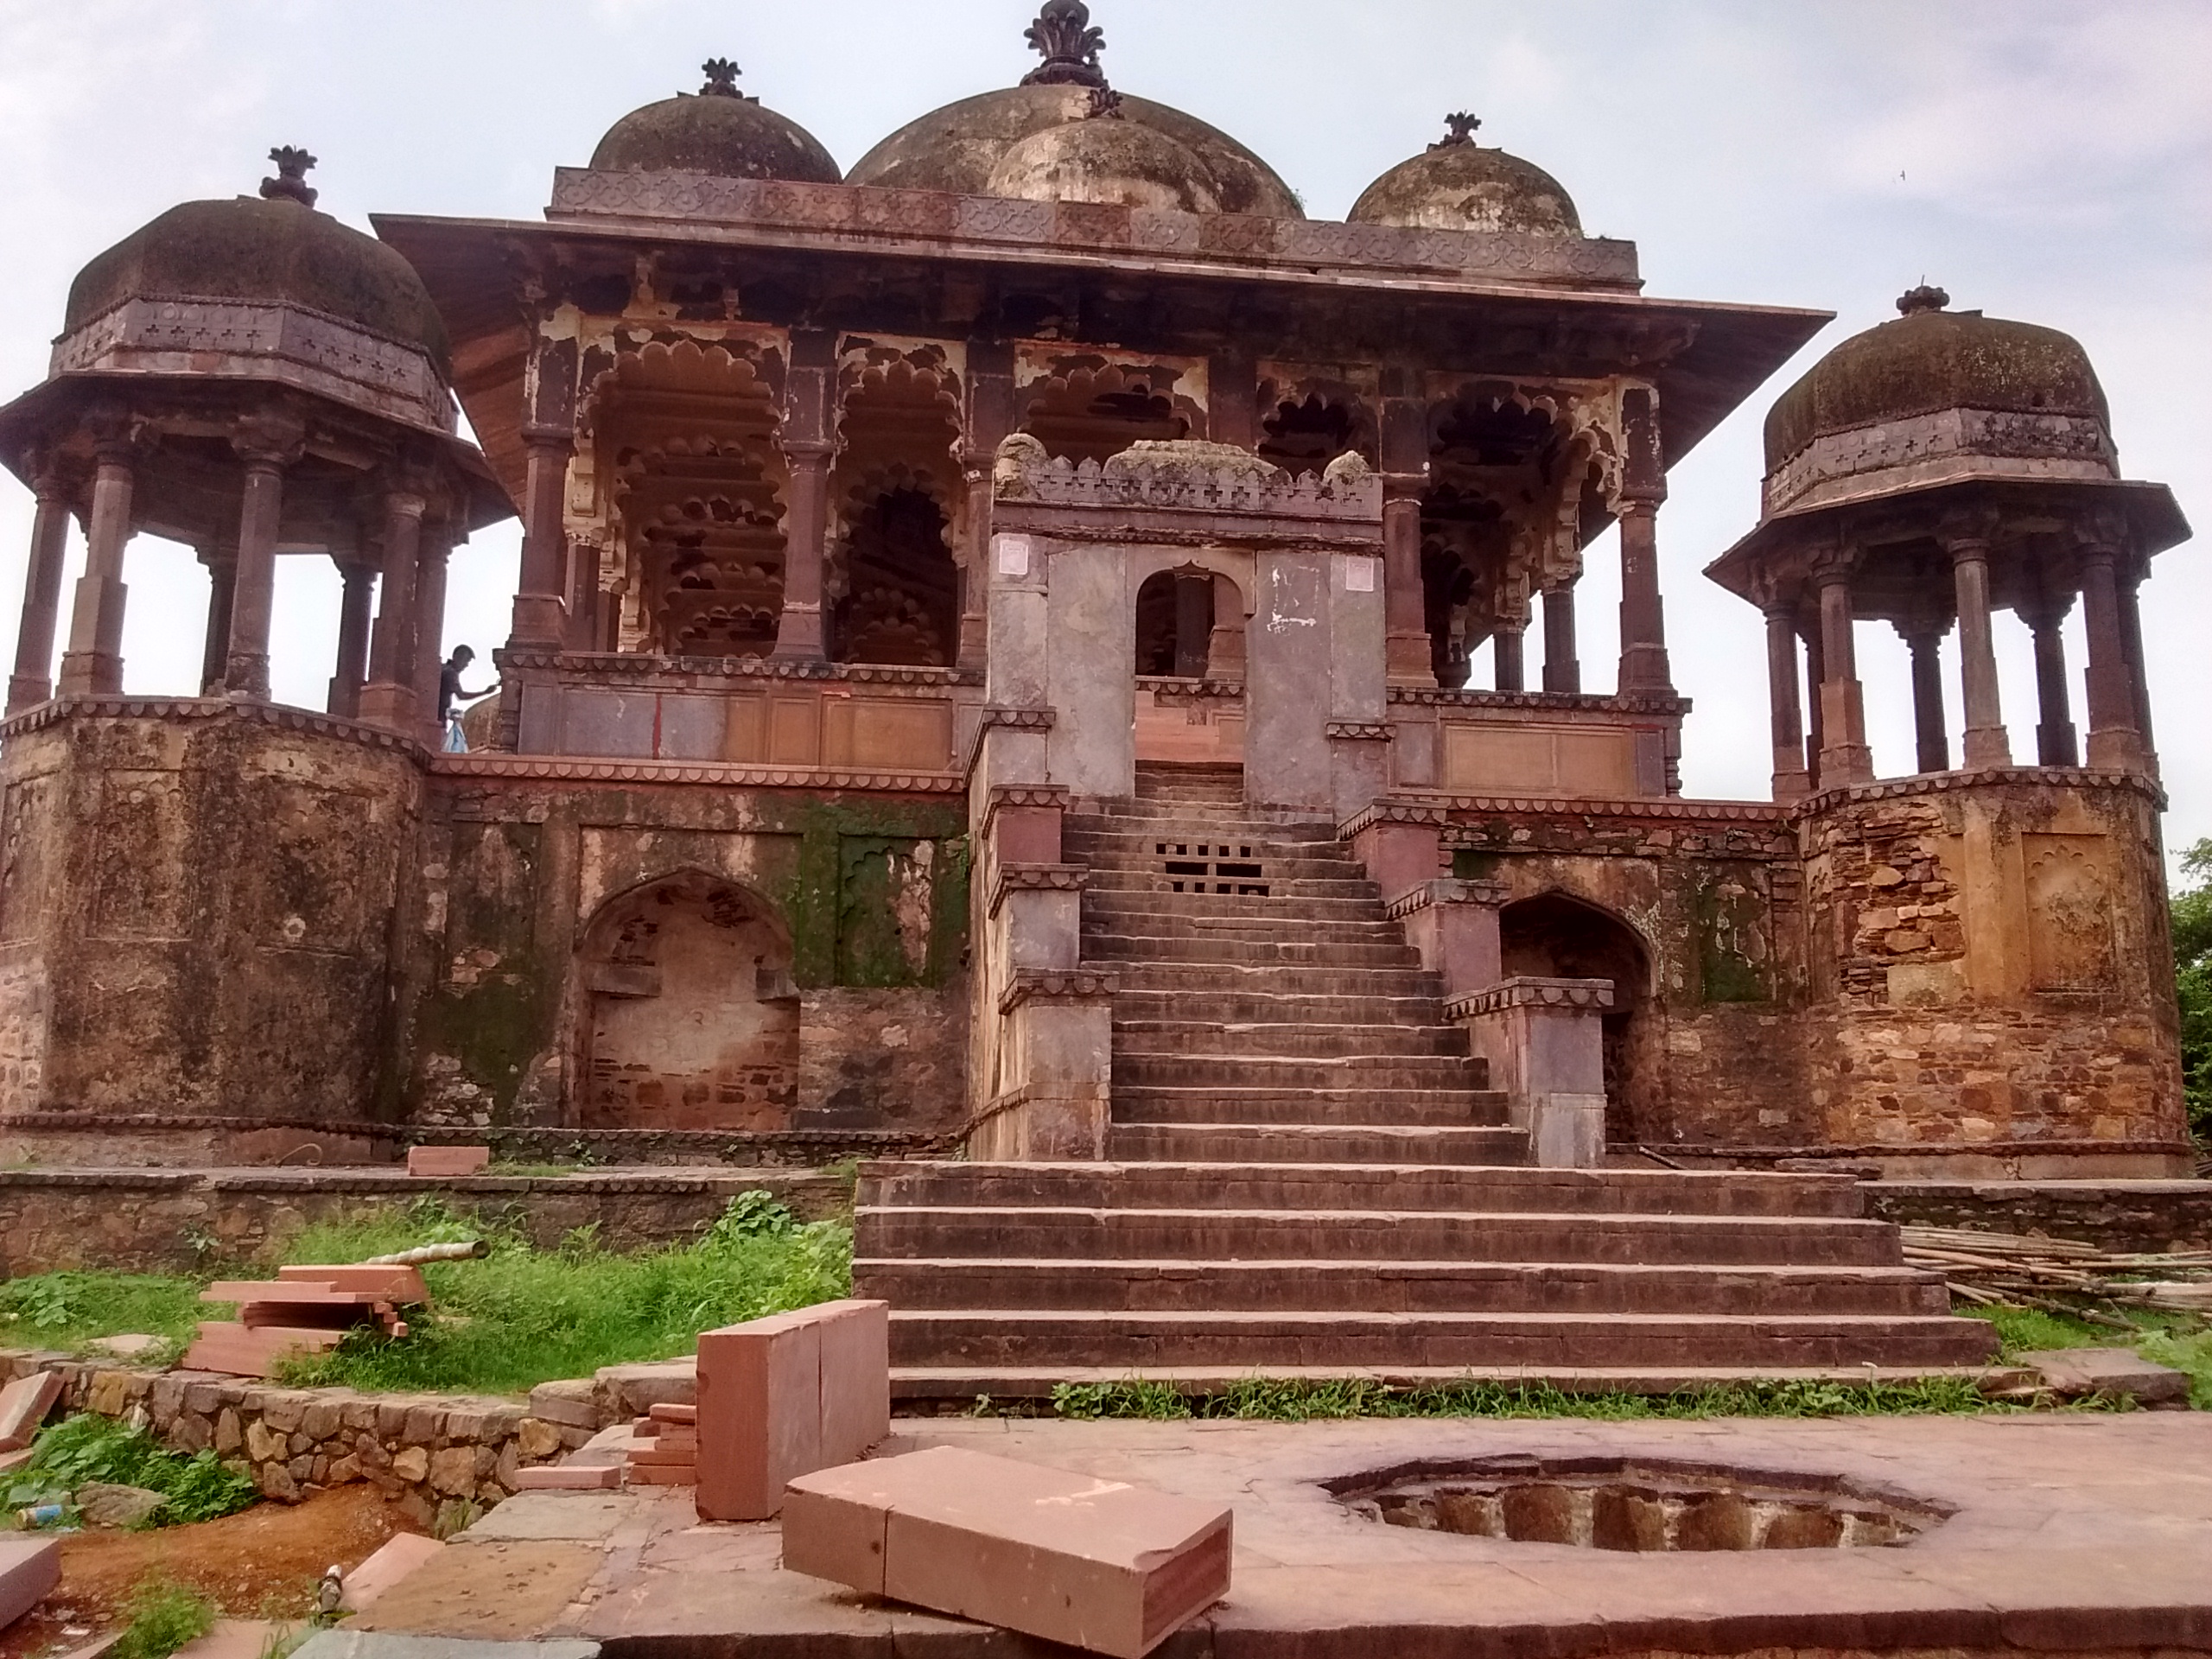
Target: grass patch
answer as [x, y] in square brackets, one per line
[83, 1448]
[1264, 1399]
[67, 1310]
[163, 1616]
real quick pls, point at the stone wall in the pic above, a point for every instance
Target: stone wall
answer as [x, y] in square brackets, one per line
[149, 1221]
[439, 1458]
[2148, 1217]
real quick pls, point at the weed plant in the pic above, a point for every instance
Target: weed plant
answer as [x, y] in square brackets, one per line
[84, 1448]
[2180, 1340]
[163, 1617]
[65, 1309]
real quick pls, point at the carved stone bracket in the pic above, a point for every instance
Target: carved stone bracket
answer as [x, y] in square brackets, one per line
[1038, 878]
[1528, 992]
[1446, 890]
[1059, 985]
[1360, 731]
[1392, 812]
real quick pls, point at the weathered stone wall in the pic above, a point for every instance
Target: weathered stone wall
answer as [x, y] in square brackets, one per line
[196, 907]
[2145, 1216]
[149, 1221]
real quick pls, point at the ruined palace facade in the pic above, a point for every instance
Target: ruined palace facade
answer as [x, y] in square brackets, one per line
[888, 531]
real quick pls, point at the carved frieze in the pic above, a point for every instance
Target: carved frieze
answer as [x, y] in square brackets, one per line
[1445, 890]
[1037, 878]
[1058, 985]
[1978, 442]
[1186, 478]
[1568, 995]
[1359, 731]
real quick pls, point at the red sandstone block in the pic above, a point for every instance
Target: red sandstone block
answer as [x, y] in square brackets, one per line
[30, 1567]
[24, 1405]
[760, 1413]
[669, 1412]
[399, 1285]
[644, 1428]
[568, 1477]
[399, 1556]
[855, 1379]
[664, 1456]
[1096, 1564]
[237, 1351]
[448, 1162]
[664, 1474]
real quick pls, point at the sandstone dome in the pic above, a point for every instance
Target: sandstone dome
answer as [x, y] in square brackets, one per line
[721, 132]
[1458, 185]
[967, 148]
[274, 248]
[1930, 360]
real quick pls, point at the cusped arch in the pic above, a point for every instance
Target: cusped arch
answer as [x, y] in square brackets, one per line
[1572, 931]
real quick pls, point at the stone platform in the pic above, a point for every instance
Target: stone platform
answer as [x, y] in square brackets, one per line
[2067, 1535]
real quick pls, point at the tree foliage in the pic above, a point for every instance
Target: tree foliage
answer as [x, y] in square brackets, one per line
[2192, 908]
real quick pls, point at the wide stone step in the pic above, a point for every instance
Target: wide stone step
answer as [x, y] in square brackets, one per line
[1248, 1006]
[1125, 921]
[1272, 1074]
[1316, 1143]
[1218, 1108]
[1125, 813]
[1199, 1039]
[1284, 980]
[1641, 1194]
[1279, 885]
[1224, 1231]
[1133, 848]
[1195, 948]
[946, 1338]
[1324, 1287]
[1269, 910]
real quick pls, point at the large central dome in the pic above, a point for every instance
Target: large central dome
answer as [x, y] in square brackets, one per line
[997, 144]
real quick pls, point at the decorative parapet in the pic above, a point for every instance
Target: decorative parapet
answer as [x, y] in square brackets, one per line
[245, 339]
[1059, 985]
[1185, 477]
[1943, 445]
[1393, 809]
[180, 709]
[602, 667]
[1038, 878]
[523, 768]
[787, 213]
[1446, 890]
[1169, 691]
[1359, 731]
[1951, 783]
[1560, 702]
[1528, 992]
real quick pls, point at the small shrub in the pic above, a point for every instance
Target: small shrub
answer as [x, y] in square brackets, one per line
[87, 1447]
[163, 1616]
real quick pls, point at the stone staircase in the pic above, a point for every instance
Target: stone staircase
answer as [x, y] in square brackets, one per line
[1311, 1179]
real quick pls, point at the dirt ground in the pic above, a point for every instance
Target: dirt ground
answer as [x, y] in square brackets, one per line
[261, 1563]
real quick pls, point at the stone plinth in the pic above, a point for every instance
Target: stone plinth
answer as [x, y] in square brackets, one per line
[1545, 1044]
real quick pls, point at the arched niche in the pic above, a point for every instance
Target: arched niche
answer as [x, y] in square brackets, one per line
[690, 1016]
[1557, 936]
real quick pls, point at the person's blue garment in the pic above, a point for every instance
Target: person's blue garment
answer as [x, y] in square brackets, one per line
[456, 743]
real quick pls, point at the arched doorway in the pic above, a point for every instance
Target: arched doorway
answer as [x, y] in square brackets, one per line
[690, 1018]
[1555, 937]
[1175, 622]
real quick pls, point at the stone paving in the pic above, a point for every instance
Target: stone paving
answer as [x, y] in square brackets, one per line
[2072, 1534]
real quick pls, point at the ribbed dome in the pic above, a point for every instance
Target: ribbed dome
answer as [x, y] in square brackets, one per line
[1119, 162]
[960, 148]
[1459, 186]
[274, 248]
[1930, 359]
[721, 132]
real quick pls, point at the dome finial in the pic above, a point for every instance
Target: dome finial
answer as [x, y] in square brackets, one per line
[1460, 129]
[722, 80]
[1069, 45]
[1914, 300]
[291, 181]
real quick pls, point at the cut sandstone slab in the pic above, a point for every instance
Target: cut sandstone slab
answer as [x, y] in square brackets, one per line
[29, 1568]
[1096, 1564]
[24, 1405]
[785, 1395]
[400, 1555]
[446, 1162]
[2082, 1372]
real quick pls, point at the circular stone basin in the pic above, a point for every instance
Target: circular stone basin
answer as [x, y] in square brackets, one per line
[1637, 1503]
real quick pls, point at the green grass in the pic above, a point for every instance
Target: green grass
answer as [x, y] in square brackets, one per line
[164, 1616]
[67, 1454]
[2180, 1340]
[66, 1310]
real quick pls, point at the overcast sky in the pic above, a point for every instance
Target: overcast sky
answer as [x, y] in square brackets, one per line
[2046, 160]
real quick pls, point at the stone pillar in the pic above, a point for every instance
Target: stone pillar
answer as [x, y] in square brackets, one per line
[390, 699]
[1986, 742]
[808, 440]
[222, 585]
[245, 664]
[2058, 743]
[2115, 745]
[1562, 669]
[1931, 728]
[2130, 638]
[345, 699]
[1816, 675]
[1643, 666]
[1544, 1041]
[1404, 453]
[32, 682]
[1844, 758]
[1791, 781]
[92, 664]
[1506, 641]
[989, 420]
[431, 627]
[541, 615]
[1454, 925]
[583, 594]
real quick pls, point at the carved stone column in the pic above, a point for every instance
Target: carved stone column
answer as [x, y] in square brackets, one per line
[93, 665]
[1407, 657]
[1816, 675]
[1562, 668]
[583, 594]
[1931, 726]
[808, 439]
[345, 699]
[390, 699]
[32, 682]
[2058, 742]
[541, 612]
[431, 627]
[1506, 647]
[1986, 743]
[2115, 745]
[990, 418]
[1844, 758]
[245, 665]
[1791, 780]
[1643, 666]
[222, 585]
[2131, 639]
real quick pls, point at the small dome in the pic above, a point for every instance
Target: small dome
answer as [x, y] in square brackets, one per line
[721, 131]
[960, 147]
[274, 248]
[1930, 360]
[1459, 186]
[1119, 162]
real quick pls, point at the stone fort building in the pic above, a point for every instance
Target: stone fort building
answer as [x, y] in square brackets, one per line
[993, 668]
